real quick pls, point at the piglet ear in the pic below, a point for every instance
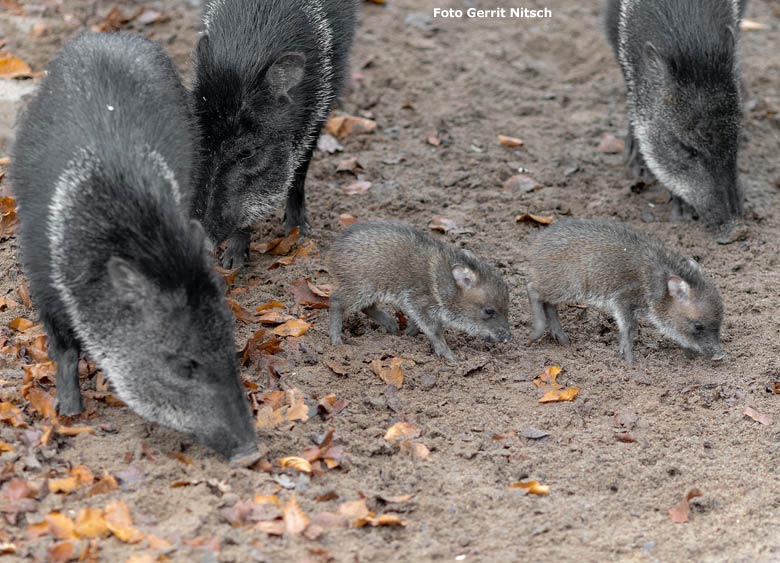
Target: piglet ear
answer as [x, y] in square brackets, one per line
[129, 285]
[285, 73]
[463, 276]
[694, 264]
[679, 289]
[655, 61]
[202, 49]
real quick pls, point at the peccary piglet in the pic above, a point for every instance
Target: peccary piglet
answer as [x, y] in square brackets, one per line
[680, 63]
[434, 284]
[629, 275]
[101, 168]
[267, 74]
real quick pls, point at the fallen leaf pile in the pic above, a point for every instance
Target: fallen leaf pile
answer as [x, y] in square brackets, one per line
[554, 391]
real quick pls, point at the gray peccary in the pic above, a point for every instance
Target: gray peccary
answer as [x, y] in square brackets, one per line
[681, 67]
[628, 274]
[267, 74]
[101, 168]
[434, 284]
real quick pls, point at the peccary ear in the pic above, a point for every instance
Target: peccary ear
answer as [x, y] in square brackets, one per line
[679, 289]
[694, 264]
[202, 50]
[463, 276]
[129, 284]
[285, 73]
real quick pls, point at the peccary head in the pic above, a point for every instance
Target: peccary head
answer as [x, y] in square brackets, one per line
[248, 124]
[475, 299]
[687, 121]
[170, 351]
[690, 314]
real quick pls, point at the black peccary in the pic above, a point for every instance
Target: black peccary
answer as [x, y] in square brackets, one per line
[267, 75]
[681, 67]
[627, 274]
[434, 284]
[101, 168]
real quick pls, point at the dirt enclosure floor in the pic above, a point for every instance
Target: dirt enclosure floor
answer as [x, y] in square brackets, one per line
[616, 459]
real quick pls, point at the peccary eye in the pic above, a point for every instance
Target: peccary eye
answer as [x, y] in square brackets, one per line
[245, 154]
[488, 312]
[698, 327]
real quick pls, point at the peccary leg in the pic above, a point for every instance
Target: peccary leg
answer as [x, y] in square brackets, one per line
[411, 327]
[237, 250]
[634, 158]
[68, 400]
[539, 317]
[433, 330]
[627, 325]
[383, 319]
[556, 331]
[295, 214]
[336, 313]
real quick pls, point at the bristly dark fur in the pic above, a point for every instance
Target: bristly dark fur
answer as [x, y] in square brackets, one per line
[259, 131]
[680, 63]
[101, 168]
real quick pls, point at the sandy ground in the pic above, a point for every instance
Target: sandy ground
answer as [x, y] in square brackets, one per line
[555, 84]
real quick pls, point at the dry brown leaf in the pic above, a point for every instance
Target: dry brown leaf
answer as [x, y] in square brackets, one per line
[392, 374]
[271, 527]
[105, 483]
[20, 324]
[298, 409]
[308, 296]
[442, 224]
[336, 368]
[11, 414]
[354, 511]
[510, 142]
[385, 520]
[347, 220]
[345, 125]
[239, 312]
[521, 183]
[402, 431]
[61, 552]
[560, 395]
[274, 318]
[610, 144]
[5, 447]
[759, 417]
[74, 430]
[531, 218]
[266, 499]
[297, 463]
[270, 306]
[14, 67]
[61, 526]
[7, 303]
[158, 543]
[548, 377]
[532, 487]
[295, 327]
[91, 523]
[42, 403]
[349, 165]
[120, 523]
[681, 512]
[295, 519]
[416, 449]
[24, 294]
[750, 25]
[357, 188]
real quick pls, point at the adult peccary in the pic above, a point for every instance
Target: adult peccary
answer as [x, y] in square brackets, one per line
[680, 63]
[101, 168]
[434, 284]
[267, 75]
[628, 274]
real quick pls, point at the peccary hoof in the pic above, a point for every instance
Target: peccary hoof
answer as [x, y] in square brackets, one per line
[68, 405]
[245, 458]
